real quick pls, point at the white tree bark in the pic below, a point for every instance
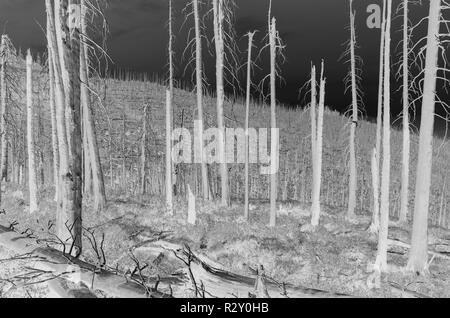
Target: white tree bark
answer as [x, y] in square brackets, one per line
[55, 146]
[352, 163]
[60, 104]
[381, 261]
[192, 212]
[61, 9]
[273, 119]
[3, 110]
[93, 154]
[317, 178]
[218, 10]
[313, 118]
[418, 260]
[199, 84]
[374, 227]
[169, 189]
[247, 123]
[406, 133]
[144, 152]
[69, 222]
[32, 182]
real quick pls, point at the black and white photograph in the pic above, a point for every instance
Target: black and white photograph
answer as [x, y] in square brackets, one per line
[228, 156]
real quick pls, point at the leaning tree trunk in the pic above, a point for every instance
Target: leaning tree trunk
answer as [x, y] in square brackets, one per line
[3, 110]
[406, 132]
[218, 9]
[418, 260]
[317, 178]
[88, 121]
[247, 120]
[352, 164]
[273, 119]
[32, 182]
[381, 261]
[199, 84]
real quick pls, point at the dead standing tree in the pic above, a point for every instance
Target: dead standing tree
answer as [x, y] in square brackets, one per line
[431, 72]
[375, 225]
[352, 82]
[7, 51]
[64, 43]
[227, 66]
[91, 150]
[195, 49]
[247, 120]
[317, 151]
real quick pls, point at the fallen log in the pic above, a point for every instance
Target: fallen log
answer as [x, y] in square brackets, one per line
[77, 271]
[397, 243]
[218, 282]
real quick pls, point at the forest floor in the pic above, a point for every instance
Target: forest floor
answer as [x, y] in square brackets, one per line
[336, 257]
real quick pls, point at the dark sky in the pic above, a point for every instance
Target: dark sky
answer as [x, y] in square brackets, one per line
[311, 29]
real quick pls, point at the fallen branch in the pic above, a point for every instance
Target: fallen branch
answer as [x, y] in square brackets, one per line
[50, 259]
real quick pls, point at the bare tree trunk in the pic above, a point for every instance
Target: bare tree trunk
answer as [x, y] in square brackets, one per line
[374, 227]
[60, 107]
[61, 7]
[55, 146]
[352, 164]
[199, 84]
[381, 261]
[317, 178]
[88, 120]
[406, 132]
[144, 152]
[313, 115]
[3, 87]
[169, 184]
[418, 260]
[69, 225]
[218, 9]
[32, 183]
[247, 120]
[273, 116]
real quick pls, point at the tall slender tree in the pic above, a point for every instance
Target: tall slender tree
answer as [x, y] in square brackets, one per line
[406, 133]
[32, 182]
[247, 123]
[418, 257]
[199, 87]
[273, 119]
[381, 261]
[4, 53]
[317, 177]
[219, 19]
[374, 227]
[354, 123]
[92, 153]
[68, 34]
